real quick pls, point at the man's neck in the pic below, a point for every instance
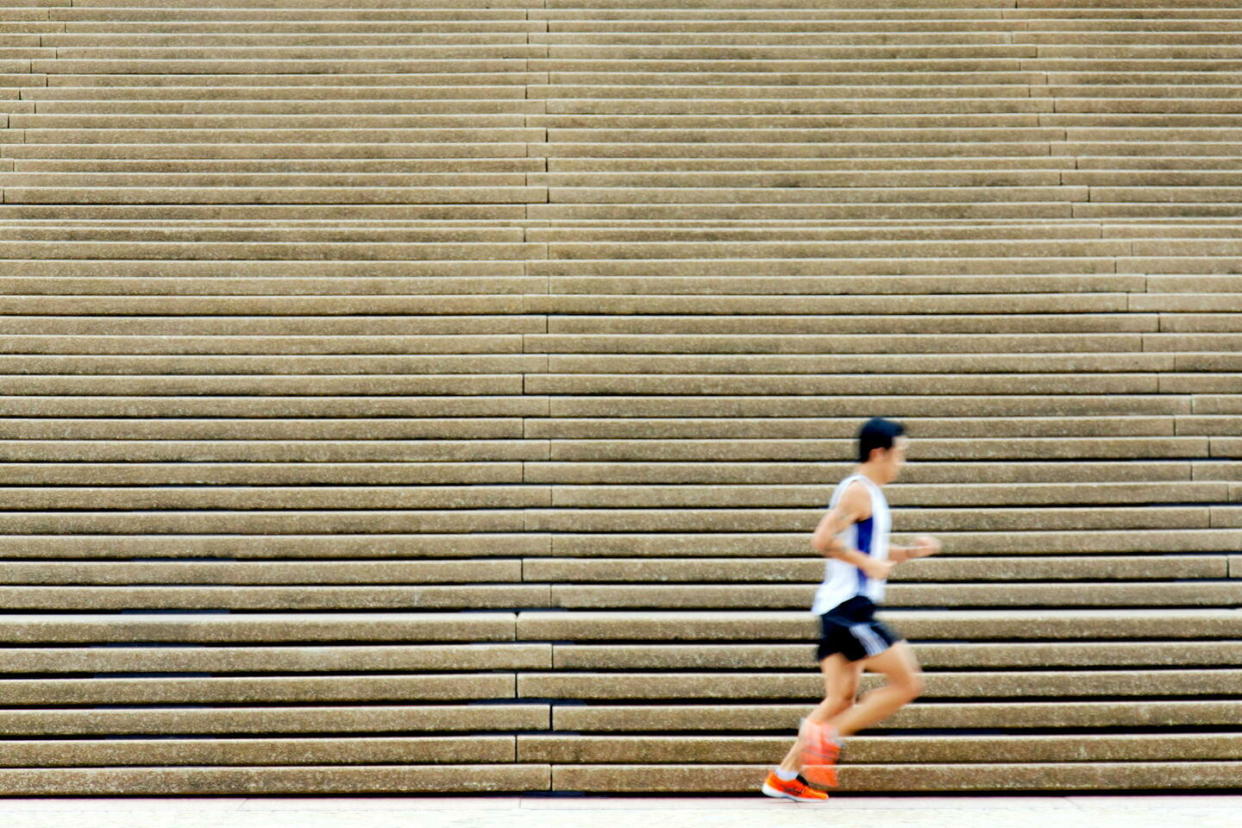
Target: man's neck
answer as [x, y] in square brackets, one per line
[872, 474]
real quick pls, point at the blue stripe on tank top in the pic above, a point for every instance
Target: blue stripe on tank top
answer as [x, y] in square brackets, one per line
[865, 531]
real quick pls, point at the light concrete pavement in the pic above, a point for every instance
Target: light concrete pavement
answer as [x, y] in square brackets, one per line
[625, 812]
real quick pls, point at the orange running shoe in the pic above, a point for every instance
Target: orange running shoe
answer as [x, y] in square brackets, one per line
[794, 789]
[820, 752]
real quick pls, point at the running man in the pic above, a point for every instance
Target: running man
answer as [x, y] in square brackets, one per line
[853, 536]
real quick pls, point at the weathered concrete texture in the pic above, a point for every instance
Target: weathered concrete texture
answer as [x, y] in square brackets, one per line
[243, 720]
[810, 685]
[749, 596]
[154, 689]
[336, 338]
[285, 628]
[262, 572]
[925, 520]
[699, 425]
[481, 545]
[915, 623]
[473, 778]
[460, 657]
[705, 450]
[251, 751]
[930, 655]
[874, 778]
[795, 544]
[876, 749]
[808, 569]
[1008, 716]
[911, 495]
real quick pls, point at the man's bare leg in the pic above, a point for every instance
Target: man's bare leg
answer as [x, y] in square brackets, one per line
[840, 687]
[904, 684]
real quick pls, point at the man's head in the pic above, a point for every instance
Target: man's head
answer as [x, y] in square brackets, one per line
[882, 447]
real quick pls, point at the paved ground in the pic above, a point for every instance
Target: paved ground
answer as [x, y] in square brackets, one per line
[623, 812]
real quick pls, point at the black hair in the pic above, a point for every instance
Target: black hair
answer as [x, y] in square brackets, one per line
[877, 433]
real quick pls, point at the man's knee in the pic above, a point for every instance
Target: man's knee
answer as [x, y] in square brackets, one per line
[838, 704]
[911, 684]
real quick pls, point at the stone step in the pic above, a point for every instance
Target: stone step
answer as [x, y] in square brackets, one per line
[981, 625]
[284, 522]
[463, 658]
[246, 781]
[339, 751]
[809, 686]
[809, 305]
[433, 473]
[1053, 776]
[756, 597]
[758, 429]
[202, 105]
[789, 520]
[1034, 542]
[683, 597]
[452, 84]
[304, 719]
[725, 91]
[427, 322]
[610, 570]
[590, 520]
[219, 91]
[740, 687]
[482, 544]
[649, 366]
[709, 570]
[260, 148]
[1093, 747]
[631, 749]
[956, 655]
[791, 324]
[491, 385]
[473, 597]
[48, 693]
[223, 628]
[1007, 717]
[821, 470]
[314, 497]
[908, 495]
[401, 545]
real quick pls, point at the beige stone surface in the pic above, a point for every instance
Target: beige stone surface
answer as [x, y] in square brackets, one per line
[931, 655]
[304, 719]
[293, 598]
[387, 387]
[410, 750]
[1014, 777]
[190, 781]
[460, 658]
[402, 546]
[734, 688]
[284, 628]
[918, 624]
[811, 569]
[877, 749]
[717, 718]
[252, 691]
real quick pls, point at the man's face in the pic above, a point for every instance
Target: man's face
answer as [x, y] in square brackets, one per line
[892, 459]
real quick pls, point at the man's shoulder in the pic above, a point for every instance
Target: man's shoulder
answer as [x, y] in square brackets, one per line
[858, 496]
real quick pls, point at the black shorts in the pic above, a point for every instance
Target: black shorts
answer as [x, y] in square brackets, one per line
[851, 629]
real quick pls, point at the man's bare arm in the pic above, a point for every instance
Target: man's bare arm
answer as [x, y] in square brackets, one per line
[924, 546]
[854, 506]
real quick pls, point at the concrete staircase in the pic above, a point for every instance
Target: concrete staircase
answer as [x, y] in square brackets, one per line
[439, 397]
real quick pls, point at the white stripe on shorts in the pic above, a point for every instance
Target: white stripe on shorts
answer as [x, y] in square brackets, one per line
[872, 644]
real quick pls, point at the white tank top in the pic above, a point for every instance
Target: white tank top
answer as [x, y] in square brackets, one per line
[843, 581]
